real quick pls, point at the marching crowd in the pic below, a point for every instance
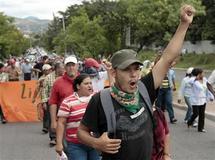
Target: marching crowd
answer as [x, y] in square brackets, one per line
[74, 114]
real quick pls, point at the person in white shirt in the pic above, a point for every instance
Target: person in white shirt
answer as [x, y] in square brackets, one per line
[27, 69]
[199, 98]
[185, 92]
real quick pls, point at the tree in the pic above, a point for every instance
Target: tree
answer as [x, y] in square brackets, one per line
[54, 28]
[83, 36]
[150, 22]
[111, 13]
[209, 25]
[12, 41]
[155, 21]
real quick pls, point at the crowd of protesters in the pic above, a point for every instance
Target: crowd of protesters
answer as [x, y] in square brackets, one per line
[73, 116]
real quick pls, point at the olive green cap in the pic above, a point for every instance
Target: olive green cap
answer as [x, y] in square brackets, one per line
[123, 58]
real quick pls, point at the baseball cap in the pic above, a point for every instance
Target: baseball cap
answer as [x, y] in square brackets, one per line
[46, 67]
[90, 62]
[70, 59]
[123, 58]
[189, 70]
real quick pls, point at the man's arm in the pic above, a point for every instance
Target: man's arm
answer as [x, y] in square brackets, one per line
[210, 88]
[174, 85]
[53, 112]
[211, 78]
[103, 143]
[53, 102]
[37, 89]
[107, 65]
[36, 70]
[211, 82]
[173, 49]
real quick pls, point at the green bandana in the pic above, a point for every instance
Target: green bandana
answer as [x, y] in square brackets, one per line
[128, 100]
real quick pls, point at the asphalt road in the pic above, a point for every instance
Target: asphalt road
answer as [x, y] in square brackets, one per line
[188, 144]
[24, 141]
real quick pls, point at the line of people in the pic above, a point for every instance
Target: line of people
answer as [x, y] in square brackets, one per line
[130, 132]
[74, 113]
[56, 83]
[74, 106]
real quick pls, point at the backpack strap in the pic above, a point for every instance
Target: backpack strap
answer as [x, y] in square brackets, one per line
[108, 108]
[145, 95]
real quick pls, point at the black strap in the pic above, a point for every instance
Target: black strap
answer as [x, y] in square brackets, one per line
[145, 95]
[108, 108]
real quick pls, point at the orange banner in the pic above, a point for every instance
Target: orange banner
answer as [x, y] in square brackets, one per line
[16, 101]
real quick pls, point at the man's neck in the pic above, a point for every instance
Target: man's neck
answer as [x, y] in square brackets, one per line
[69, 77]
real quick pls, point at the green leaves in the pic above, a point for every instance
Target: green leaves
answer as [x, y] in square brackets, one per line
[12, 42]
[99, 26]
[83, 36]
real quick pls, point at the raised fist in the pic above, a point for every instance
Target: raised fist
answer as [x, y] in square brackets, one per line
[187, 13]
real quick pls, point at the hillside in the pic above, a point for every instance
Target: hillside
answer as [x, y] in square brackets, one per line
[31, 24]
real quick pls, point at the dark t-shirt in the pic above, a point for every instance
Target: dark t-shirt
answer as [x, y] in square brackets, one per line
[39, 66]
[136, 134]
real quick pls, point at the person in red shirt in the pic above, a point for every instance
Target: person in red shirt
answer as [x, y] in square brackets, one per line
[62, 88]
[161, 142]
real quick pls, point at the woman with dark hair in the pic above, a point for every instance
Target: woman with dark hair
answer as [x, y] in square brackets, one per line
[199, 97]
[69, 115]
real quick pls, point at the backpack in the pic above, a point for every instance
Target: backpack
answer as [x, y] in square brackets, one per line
[108, 107]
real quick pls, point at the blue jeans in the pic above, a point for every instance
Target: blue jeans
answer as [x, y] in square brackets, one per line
[81, 152]
[165, 98]
[189, 108]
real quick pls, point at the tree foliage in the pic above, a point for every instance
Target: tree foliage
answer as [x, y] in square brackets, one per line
[83, 36]
[12, 41]
[100, 26]
[155, 21]
[209, 25]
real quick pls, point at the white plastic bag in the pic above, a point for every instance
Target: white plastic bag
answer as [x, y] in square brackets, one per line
[62, 157]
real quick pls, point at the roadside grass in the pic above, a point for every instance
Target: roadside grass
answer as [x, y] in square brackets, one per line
[147, 55]
[204, 61]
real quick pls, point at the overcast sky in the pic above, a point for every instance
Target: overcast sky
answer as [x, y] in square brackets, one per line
[42, 9]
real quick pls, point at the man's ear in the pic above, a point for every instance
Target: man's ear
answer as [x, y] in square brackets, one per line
[113, 72]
